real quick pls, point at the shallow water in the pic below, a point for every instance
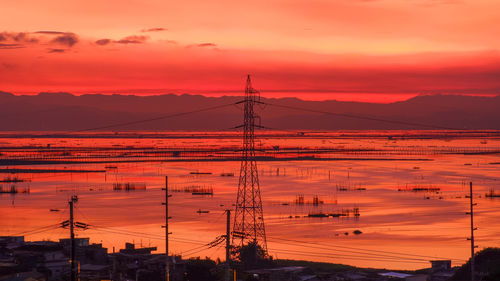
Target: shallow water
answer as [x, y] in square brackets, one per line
[400, 229]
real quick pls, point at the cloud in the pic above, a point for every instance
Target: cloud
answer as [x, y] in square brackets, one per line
[154, 29]
[17, 37]
[207, 45]
[11, 46]
[68, 39]
[134, 39]
[23, 37]
[202, 45]
[56, 50]
[50, 32]
[103, 42]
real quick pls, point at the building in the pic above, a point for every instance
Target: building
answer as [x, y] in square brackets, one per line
[441, 270]
[288, 273]
[46, 257]
[10, 242]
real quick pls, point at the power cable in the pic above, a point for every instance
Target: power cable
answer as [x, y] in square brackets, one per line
[346, 257]
[38, 230]
[364, 117]
[360, 253]
[149, 119]
[359, 249]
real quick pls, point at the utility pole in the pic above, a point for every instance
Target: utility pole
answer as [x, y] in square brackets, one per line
[73, 200]
[167, 260]
[228, 244]
[472, 229]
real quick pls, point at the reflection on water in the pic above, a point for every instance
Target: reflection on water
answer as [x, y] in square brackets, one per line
[410, 192]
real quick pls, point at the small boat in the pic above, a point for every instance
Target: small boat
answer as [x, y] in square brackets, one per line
[200, 211]
[55, 210]
[317, 215]
[202, 193]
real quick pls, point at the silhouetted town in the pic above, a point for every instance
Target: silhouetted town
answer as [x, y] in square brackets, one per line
[49, 260]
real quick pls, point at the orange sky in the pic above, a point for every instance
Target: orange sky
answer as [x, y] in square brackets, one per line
[369, 50]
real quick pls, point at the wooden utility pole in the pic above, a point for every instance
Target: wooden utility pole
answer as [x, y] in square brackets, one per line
[472, 229]
[228, 244]
[73, 200]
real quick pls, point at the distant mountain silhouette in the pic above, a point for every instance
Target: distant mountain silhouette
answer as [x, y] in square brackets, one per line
[64, 111]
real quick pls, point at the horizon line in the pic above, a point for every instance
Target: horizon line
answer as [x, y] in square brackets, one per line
[341, 96]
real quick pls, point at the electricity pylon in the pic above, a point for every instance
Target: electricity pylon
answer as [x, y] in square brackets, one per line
[248, 224]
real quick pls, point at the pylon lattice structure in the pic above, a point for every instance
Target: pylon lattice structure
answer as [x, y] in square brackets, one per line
[248, 224]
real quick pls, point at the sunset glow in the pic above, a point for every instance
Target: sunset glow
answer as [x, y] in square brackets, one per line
[377, 51]
[265, 140]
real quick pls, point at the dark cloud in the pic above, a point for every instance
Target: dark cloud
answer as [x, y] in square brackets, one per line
[207, 45]
[17, 37]
[134, 39]
[24, 37]
[154, 29]
[50, 32]
[211, 46]
[56, 50]
[11, 46]
[68, 39]
[103, 42]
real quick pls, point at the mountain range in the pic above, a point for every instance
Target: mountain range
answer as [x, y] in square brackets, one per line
[97, 112]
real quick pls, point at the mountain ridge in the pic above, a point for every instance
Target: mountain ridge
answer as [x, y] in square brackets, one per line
[65, 111]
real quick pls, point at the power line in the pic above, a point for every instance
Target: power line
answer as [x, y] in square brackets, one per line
[38, 230]
[356, 252]
[345, 257]
[359, 254]
[156, 118]
[150, 119]
[195, 250]
[364, 117]
[353, 250]
[373, 252]
[145, 235]
[129, 233]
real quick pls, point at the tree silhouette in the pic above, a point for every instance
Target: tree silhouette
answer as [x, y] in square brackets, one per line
[251, 256]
